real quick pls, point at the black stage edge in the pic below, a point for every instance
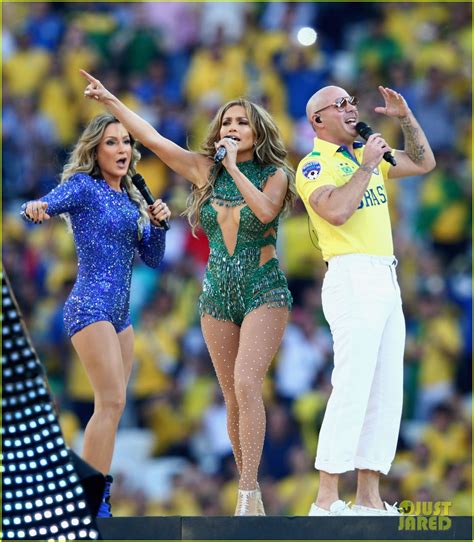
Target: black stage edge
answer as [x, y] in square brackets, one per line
[274, 528]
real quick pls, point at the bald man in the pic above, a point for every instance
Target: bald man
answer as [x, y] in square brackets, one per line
[342, 184]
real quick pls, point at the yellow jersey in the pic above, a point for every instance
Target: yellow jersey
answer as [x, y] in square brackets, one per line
[368, 230]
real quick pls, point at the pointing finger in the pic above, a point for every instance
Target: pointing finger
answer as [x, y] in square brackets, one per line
[88, 76]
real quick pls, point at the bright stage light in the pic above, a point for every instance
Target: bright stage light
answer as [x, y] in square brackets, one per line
[42, 497]
[307, 36]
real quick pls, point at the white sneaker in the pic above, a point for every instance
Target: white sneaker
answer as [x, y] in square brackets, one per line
[337, 508]
[390, 510]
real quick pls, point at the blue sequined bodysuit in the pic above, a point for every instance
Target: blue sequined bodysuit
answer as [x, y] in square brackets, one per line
[235, 284]
[105, 228]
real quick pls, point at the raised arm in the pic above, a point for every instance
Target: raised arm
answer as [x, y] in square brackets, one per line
[190, 165]
[68, 197]
[417, 157]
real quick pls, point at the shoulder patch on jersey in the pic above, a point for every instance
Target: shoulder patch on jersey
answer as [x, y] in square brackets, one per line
[311, 170]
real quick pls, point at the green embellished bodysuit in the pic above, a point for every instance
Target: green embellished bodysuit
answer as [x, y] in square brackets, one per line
[236, 284]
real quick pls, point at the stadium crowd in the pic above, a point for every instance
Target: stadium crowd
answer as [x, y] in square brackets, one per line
[175, 63]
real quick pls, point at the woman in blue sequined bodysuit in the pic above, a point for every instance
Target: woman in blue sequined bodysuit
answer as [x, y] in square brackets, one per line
[109, 221]
[245, 301]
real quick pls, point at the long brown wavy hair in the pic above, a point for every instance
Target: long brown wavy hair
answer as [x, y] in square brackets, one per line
[269, 150]
[83, 160]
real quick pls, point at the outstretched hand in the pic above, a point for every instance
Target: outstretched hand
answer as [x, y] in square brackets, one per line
[395, 104]
[95, 89]
[36, 211]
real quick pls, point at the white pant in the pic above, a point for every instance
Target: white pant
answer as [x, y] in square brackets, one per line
[362, 304]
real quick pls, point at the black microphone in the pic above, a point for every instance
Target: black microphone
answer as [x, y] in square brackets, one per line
[365, 131]
[221, 152]
[140, 184]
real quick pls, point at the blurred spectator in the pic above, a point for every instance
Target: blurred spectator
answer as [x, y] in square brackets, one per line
[302, 69]
[152, 372]
[25, 70]
[32, 140]
[217, 67]
[57, 103]
[376, 51]
[446, 438]
[422, 470]
[280, 438]
[435, 108]
[302, 354]
[44, 26]
[223, 18]
[137, 45]
[178, 23]
[214, 443]
[76, 53]
[156, 84]
[295, 490]
[440, 346]
[175, 62]
[444, 216]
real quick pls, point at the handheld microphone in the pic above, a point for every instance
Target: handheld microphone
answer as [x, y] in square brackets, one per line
[365, 131]
[221, 152]
[140, 184]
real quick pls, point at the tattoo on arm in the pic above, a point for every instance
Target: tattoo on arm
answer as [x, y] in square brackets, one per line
[413, 148]
[321, 194]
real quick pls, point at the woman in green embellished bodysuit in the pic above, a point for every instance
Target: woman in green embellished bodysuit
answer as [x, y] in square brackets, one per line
[245, 301]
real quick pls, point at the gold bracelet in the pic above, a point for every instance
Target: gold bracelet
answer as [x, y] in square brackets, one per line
[366, 168]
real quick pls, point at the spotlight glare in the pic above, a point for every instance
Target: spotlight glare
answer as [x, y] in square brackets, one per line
[307, 36]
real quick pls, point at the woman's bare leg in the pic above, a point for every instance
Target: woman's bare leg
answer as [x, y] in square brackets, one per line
[126, 339]
[222, 340]
[260, 338]
[99, 350]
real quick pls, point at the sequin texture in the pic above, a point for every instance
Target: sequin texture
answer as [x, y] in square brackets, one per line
[236, 284]
[105, 229]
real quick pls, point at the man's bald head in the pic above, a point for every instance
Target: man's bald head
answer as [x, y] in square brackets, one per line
[322, 98]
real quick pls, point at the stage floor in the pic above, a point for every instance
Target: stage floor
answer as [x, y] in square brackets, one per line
[285, 528]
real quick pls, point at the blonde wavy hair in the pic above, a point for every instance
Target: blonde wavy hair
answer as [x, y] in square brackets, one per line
[83, 160]
[269, 150]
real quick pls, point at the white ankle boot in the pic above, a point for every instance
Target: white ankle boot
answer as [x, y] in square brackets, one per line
[248, 503]
[260, 508]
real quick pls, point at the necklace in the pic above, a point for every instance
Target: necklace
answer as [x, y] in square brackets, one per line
[225, 192]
